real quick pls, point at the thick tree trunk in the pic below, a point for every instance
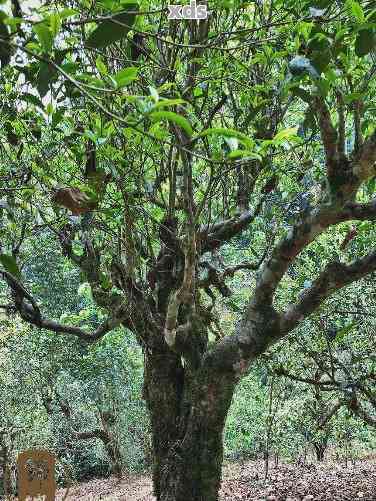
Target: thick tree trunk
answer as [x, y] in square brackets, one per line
[188, 412]
[192, 470]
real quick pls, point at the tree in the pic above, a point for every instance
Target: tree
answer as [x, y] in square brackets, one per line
[159, 165]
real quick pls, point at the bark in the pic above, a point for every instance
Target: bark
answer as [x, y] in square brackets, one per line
[320, 449]
[188, 409]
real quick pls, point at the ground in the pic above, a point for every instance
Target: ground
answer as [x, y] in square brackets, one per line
[330, 481]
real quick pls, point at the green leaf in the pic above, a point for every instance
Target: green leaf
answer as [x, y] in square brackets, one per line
[55, 23]
[323, 86]
[322, 4]
[102, 68]
[344, 331]
[110, 31]
[355, 96]
[44, 35]
[65, 13]
[172, 117]
[5, 50]
[251, 155]
[45, 76]
[105, 281]
[48, 74]
[321, 60]
[318, 42]
[10, 264]
[371, 186]
[169, 102]
[365, 42]
[221, 131]
[286, 134]
[57, 117]
[126, 76]
[49, 109]
[356, 10]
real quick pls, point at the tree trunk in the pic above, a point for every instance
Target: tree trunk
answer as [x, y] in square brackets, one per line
[320, 451]
[188, 410]
[192, 469]
[114, 455]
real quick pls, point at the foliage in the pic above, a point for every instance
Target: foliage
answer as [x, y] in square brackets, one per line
[161, 166]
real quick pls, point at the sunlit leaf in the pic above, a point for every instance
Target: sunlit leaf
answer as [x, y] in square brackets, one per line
[126, 76]
[44, 35]
[173, 117]
[65, 13]
[221, 131]
[286, 134]
[102, 68]
[55, 23]
[251, 155]
[169, 102]
[355, 10]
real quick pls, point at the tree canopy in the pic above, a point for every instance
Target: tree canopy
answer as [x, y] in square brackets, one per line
[146, 146]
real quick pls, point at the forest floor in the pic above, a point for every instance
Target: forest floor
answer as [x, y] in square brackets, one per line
[329, 481]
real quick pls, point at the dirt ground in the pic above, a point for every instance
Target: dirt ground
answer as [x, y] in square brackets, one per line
[330, 481]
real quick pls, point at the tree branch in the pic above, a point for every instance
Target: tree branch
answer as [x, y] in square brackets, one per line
[281, 371]
[301, 235]
[262, 325]
[29, 311]
[364, 161]
[359, 411]
[220, 233]
[185, 293]
[328, 134]
[334, 277]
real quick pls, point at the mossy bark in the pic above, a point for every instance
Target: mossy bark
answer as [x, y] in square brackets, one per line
[188, 410]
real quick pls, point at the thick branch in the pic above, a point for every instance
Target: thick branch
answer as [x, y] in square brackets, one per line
[357, 126]
[262, 325]
[334, 277]
[364, 162]
[341, 127]
[328, 134]
[359, 411]
[299, 237]
[220, 233]
[355, 211]
[185, 293]
[27, 313]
